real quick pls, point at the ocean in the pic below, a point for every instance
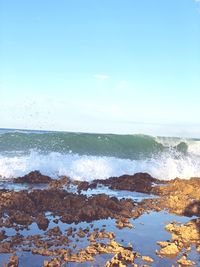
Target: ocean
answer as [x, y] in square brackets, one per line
[87, 156]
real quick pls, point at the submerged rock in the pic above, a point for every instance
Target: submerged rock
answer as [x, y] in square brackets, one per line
[123, 222]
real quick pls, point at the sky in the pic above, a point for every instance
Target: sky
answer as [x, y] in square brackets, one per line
[114, 66]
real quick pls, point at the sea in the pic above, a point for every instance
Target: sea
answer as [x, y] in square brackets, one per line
[88, 156]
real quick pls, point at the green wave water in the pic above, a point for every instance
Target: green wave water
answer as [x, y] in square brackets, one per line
[121, 146]
[96, 156]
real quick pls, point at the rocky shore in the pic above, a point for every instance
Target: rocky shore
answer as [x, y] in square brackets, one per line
[58, 221]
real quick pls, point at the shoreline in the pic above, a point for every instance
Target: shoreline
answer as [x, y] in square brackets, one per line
[58, 223]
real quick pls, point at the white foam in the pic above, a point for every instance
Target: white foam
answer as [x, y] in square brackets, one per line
[193, 145]
[194, 148]
[166, 166]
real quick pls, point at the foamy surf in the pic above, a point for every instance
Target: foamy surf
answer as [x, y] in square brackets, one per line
[96, 156]
[94, 167]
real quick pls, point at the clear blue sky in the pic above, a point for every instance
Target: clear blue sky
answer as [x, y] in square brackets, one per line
[122, 66]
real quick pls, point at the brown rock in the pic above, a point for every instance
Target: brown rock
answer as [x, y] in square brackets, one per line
[44, 252]
[34, 177]
[42, 222]
[81, 233]
[122, 258]
[13, 261]
[185, 233]
[52, 263]
[54, 231]
[147, 259]
[69, 231]
[180, 196]
[100, 235]
[2, 235]
[185, 262]
[123, 222]
[6, 247]
[171, 249]
[139, 182]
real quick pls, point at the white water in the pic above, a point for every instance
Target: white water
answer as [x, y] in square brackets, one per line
[165, 166]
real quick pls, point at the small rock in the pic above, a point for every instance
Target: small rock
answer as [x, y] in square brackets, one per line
[185, 262]
[171, 249]
[147, 259]
[52, 263]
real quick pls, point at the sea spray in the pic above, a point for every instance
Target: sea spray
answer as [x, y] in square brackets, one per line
[92, 156]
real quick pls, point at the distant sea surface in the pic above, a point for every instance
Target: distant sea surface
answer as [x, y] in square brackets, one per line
[91, 156]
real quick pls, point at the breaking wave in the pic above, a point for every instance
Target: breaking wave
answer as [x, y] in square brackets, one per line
[92, 156]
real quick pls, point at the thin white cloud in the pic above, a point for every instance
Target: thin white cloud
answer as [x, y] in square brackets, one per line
[197, 1]
[101, 77]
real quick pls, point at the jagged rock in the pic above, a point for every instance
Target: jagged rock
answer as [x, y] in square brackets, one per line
[100, 235]
[63, 181]
[123, 222]
[26, 207]
[169, 249]
[185, 262]
[13, 261]
[42, 222]
[69, 231]
[121, 259]
[82, 256]
[6, 247]
[52, 263]
[2, 235]
[180, 196]
[115, 262]
[34, 177]
[139, 182]
[147, 259]
[81, 233]
[54, 231]
[44, 252]
[189, 232]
